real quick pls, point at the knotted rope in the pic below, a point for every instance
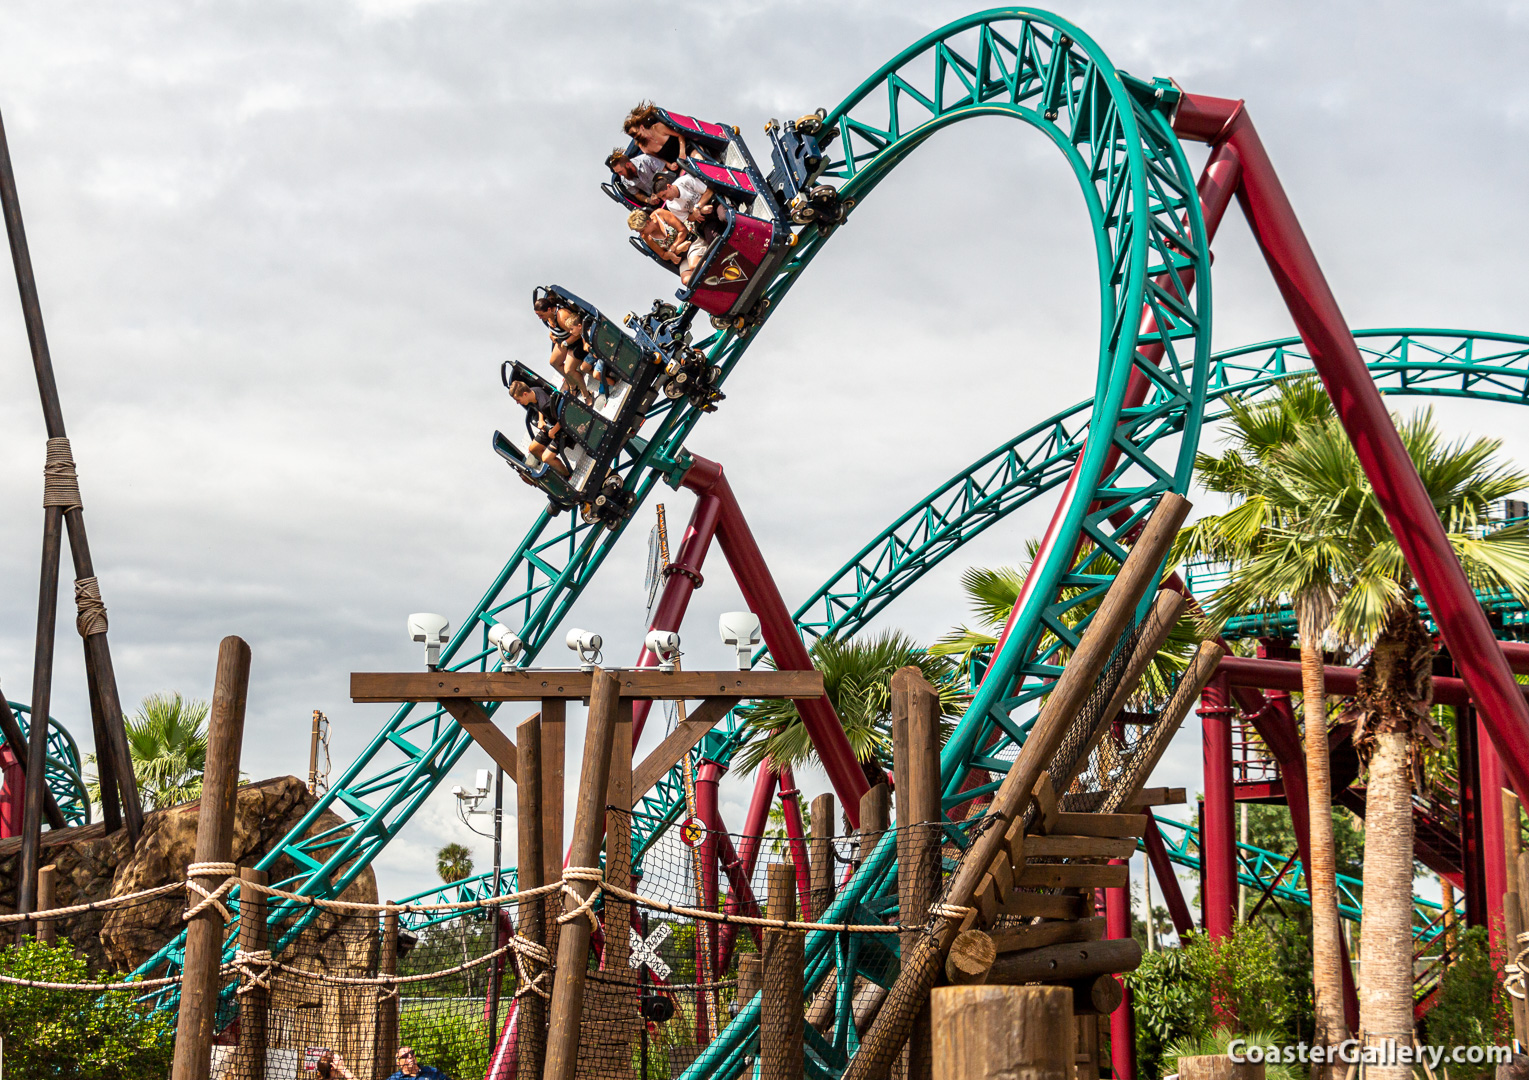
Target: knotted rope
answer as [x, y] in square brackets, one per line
[90, 617]
[526, 948]
[60, 484]
[256, 967]
[585, 904]
[1515, 968]
[214, 898]
[953, 911]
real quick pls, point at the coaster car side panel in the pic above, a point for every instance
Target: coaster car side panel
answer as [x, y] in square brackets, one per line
[713, 137]
[735, 270]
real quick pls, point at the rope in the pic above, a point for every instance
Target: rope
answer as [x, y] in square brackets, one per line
[256, 968]
[214, 898]
[388, 980]
[749, 920]
[952, 911]
[94, 905]
[584, 904]
[524, 947]
[60, 484]
[135, 987]
[1516, 968]
[90, 617]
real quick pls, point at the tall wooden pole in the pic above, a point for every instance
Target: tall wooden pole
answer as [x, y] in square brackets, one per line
[782, 1022]
[531, 1040]
[584, 853]
[62, 495]
[554, 743]
[255, 1001]
[214, 845]
[37, 735]
[822, 854]
[916, 770]
[387, 999]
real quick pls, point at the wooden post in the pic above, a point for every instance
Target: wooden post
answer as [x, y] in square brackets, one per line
[822, 854]
[781, 1020]
[749, 976]
[916, 770]
[1218, 1067]
[37, 733]
[987, 1031]
[875, 819]
[313, 753]
[616, 996]
[254, 1003]
[971, 957]
[214, 843]
[567, 1008]
[554, 742]
[1512, 913]
[530, 1043]
[387, 999]
[47, 878]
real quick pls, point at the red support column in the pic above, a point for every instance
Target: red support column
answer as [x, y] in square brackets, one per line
[1117, 925]
[706, 808]
[780, 634]
[1472, 817]
[12, 793]
[1495, 870]
[743, 865]
[1218, 840]
[791, 810]
[682, 578]
[1167, 880]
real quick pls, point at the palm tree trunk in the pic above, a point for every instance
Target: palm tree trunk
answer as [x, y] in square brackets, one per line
[1326, 953]
[1385, 985]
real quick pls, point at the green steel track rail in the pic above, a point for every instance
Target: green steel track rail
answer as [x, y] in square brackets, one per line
[62, 772]
[1115, 133]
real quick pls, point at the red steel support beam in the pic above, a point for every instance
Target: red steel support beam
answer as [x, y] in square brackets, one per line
[1167, 880]
[791, 810]
[1489, 769]
[1362, 411]
[1117, 926]
[1341, 681]
[747, 859]
[682, 578]
[780, 634]
[707, 809]
[1218, 843]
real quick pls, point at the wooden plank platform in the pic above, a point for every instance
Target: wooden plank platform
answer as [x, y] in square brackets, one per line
[533, 684]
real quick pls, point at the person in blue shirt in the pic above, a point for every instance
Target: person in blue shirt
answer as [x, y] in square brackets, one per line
[409, 1069]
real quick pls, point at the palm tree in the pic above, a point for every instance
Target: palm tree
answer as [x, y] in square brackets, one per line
[167, 740]
[453, 862]
[1276, 549]
[1392, 706]
[1306, 529]
[856, 679]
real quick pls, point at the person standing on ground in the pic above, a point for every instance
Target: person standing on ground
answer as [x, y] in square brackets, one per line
[408, 1068]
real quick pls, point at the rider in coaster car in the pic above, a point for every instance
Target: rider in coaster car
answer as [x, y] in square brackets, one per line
[652, 135]
[541, 414]
[636, 175]
[570, 352]
[697, 205]
[666, 235]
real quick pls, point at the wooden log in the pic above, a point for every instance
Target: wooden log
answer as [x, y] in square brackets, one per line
[1074, 876]
[386, 1048]
[970, 958]
[1218, 1067]
[1035, 935]
[1186, 695]
[1046, 810]
[255, 1000]
[1028, 905]
[1157, 796]
[554, 745]
[1512, 910]
[618, 845]
[916, 771]
[1116, 825]
[531, 1020]
[214, 844]
[780, 885]
[37, 734]
[567, 1008]
[1086, 1031]
[539, 684]
[982, 1032]
[1066, 963]
[1048, 848]
[47, 880]
[875, 817]
[781, 1020]
[821, 855]
[1099, 996]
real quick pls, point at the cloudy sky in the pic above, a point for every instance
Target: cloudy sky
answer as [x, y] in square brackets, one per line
[283, 249]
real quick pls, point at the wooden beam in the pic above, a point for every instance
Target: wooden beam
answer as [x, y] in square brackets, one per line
[1158, 796]
[1027, 905]
[988, 1031]
[1074, 876]
[1100, 825]
[1036, 935]
[644, 684]
[679, 742]
[480, 726]
[529, 807]
[1067, 963]
[255, 1000]
[1058, 846]
[970, 958]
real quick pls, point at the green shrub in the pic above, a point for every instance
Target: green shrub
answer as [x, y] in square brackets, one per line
[447, 1034]
[74, 1033]
[1190, 993]
[1471, 1009]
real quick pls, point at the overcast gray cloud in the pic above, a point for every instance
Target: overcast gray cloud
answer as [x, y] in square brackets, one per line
[284, 247]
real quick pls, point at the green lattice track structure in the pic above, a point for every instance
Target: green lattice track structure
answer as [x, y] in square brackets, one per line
[1153, 272]
[62, 774]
